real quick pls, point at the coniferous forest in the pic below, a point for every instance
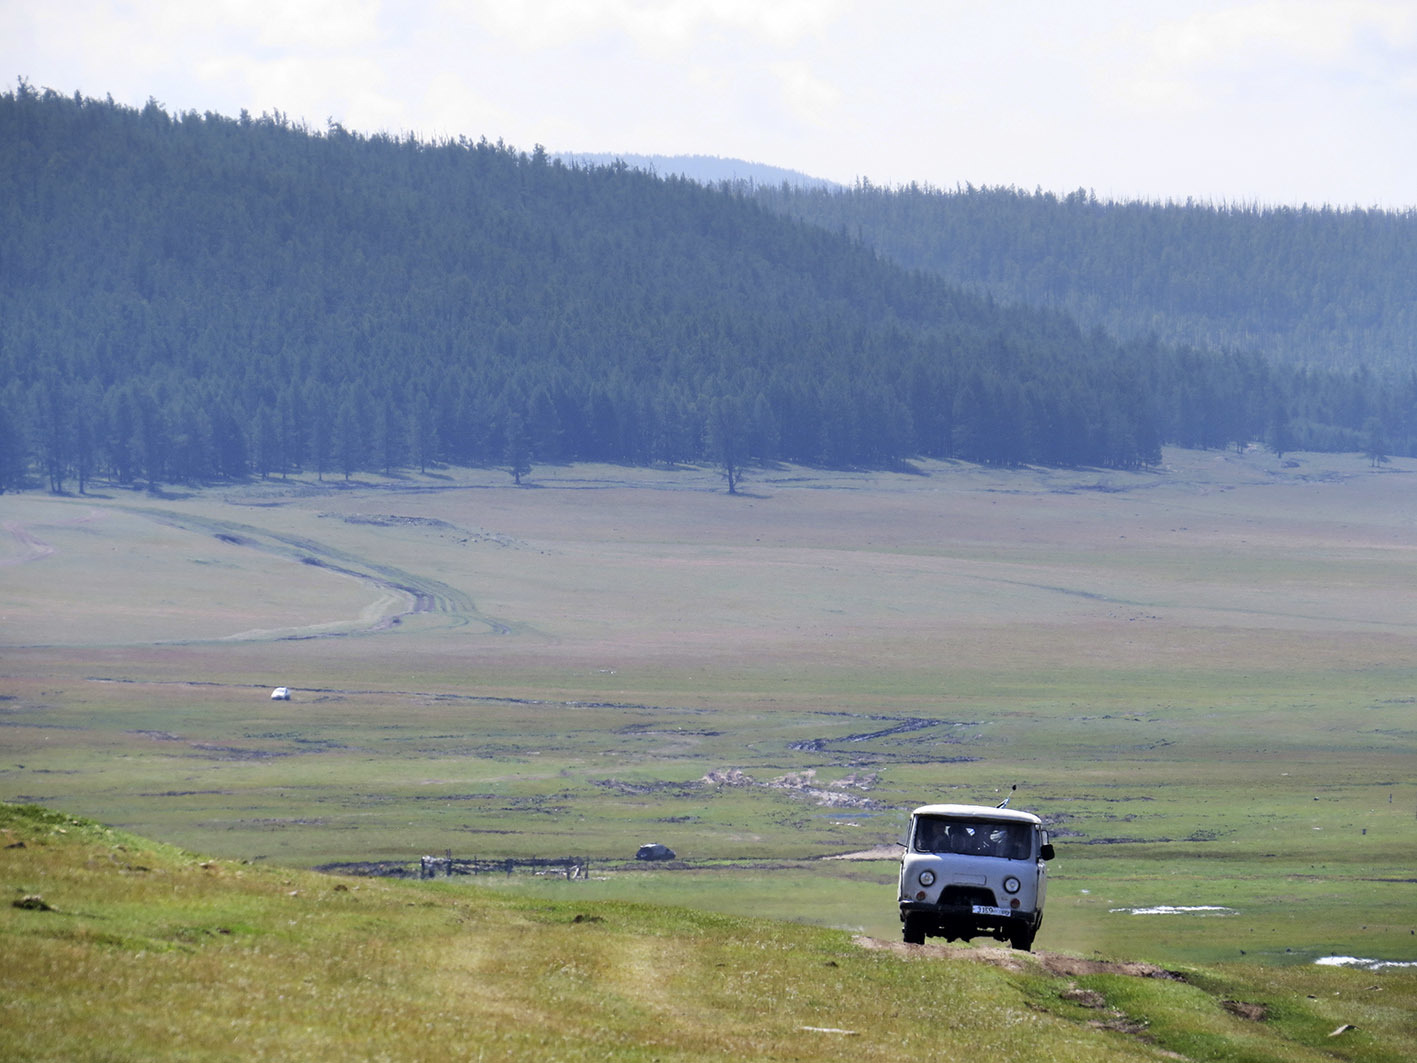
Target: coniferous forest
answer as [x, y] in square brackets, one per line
[1313, 286]
[194, 297]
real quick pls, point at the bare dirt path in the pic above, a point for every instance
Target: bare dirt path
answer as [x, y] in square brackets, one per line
[1055, 963]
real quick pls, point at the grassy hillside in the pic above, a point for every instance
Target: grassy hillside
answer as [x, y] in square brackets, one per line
[117, 948]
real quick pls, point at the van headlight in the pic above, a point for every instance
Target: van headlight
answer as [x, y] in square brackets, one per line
[927, 877]
[1011, 884]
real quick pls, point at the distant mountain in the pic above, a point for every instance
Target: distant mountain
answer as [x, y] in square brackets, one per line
[706, 169]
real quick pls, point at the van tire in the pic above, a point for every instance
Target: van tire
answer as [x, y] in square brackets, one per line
[914, 931]
[1022, 938]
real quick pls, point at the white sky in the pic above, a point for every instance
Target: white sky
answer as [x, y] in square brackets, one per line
[1250, 101]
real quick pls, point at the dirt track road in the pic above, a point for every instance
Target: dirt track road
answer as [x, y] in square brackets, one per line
[34, 548]
[398, 593]
[419, 594]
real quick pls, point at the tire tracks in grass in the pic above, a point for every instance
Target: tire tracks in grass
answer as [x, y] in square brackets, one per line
[423, 596]
[35, 548]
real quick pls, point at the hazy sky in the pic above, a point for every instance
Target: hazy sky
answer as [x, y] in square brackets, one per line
[1268, 101]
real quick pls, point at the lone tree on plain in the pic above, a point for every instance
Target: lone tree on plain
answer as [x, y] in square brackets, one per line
[1375, 445]
[518, 448]
[727, 432]
[1281, 432]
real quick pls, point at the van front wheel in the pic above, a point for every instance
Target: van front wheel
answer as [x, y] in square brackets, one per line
[1022, 938]
[914, 932]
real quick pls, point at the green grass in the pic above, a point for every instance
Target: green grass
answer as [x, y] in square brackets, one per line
[1202, 678]
[149, 952]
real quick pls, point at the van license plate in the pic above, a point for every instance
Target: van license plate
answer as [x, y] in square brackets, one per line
[984, 909]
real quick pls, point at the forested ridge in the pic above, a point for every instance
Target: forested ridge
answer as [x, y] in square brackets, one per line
[1307, 286]
[194, 297]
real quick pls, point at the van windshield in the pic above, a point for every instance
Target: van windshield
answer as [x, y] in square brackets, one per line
[973, 837]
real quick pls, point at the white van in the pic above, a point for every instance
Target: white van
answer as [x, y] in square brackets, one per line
[970, 871]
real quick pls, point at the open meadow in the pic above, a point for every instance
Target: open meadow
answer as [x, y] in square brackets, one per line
[1204, 678]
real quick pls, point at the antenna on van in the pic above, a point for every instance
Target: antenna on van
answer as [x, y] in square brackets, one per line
[1005, 802]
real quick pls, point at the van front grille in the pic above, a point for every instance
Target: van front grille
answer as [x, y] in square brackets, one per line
[967, 895]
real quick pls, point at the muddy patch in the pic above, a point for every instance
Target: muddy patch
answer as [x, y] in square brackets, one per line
[897, 726]
[1245, 1010]
[834, 794]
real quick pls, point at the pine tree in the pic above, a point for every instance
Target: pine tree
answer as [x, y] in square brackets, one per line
[518, 448]
[727, 438]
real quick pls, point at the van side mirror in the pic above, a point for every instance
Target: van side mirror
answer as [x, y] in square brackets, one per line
[1045, 851]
